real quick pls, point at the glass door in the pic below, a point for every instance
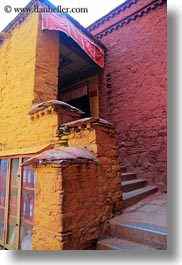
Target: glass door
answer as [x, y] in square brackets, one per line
[16, 204]
[3, 182]
[27, 206]
[13, 220]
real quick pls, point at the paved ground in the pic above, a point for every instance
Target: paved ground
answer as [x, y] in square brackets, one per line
[152, 210]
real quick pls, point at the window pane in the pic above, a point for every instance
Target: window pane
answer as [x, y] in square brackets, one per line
[3, 180]
[13, 203]
[27, 206]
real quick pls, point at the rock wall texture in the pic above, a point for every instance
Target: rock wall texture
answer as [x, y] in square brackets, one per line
[133, 85]
[46, 66]
[74, 200]
[100, 138]
[17, 77]
[47, 213]
[29, 76]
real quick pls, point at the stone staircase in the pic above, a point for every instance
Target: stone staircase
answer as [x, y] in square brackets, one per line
[134, 236]
[134, 189]
[131, 232]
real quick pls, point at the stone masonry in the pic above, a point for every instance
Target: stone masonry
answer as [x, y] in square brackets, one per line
[78, 188]
[133, 94]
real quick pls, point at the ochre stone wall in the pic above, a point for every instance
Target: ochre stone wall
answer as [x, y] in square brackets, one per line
[109, 174]
[66, 212]
[74, 201]
[81, 209]
[47, 219]
[101, 140]
[46, 66]
[17, 81]
[133, 88]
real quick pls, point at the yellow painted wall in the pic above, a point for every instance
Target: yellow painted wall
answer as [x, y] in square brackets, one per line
[65, 191]
[47, 63]
[18, 55]
[84, 137]
[48, 223]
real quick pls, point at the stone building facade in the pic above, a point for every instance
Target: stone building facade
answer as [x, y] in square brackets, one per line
[112, 115]
[133, 94]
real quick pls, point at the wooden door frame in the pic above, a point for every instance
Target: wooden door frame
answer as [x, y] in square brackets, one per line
[7, 201]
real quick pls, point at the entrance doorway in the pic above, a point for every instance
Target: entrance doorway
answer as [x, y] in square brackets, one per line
[83, 104]
[75, 78]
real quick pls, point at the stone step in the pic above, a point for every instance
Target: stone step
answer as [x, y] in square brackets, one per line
[130, 185]
[128, 176]
[143, 233]
[130, 198]
[123, 169]
[115, 243]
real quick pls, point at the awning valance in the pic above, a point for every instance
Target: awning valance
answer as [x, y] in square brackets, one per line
[74, 92]
[55, 21]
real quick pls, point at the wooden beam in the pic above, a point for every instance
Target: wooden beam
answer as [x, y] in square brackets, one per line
[19, 203]
[7, 202]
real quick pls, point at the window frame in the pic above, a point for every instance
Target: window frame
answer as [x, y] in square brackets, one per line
[4, 242]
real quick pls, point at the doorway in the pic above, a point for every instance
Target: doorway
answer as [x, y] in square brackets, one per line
[83, 104]
[75, 71]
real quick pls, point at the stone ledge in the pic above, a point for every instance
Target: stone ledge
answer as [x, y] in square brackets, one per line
[133, 16]
[62, 155]
[111, 14]
[51, 106]
[83, 123]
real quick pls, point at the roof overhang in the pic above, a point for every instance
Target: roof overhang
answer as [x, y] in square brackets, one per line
[65, 23]
[59, 22]
[74, 154]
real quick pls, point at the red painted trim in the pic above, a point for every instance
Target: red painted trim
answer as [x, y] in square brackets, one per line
[53, 21]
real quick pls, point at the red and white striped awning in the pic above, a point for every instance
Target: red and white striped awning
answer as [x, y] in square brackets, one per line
[55, 21]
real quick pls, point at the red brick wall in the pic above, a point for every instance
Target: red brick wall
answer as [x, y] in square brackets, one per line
[133, 90]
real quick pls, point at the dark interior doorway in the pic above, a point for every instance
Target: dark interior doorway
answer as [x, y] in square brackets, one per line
[82, 104]
[75, 67]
